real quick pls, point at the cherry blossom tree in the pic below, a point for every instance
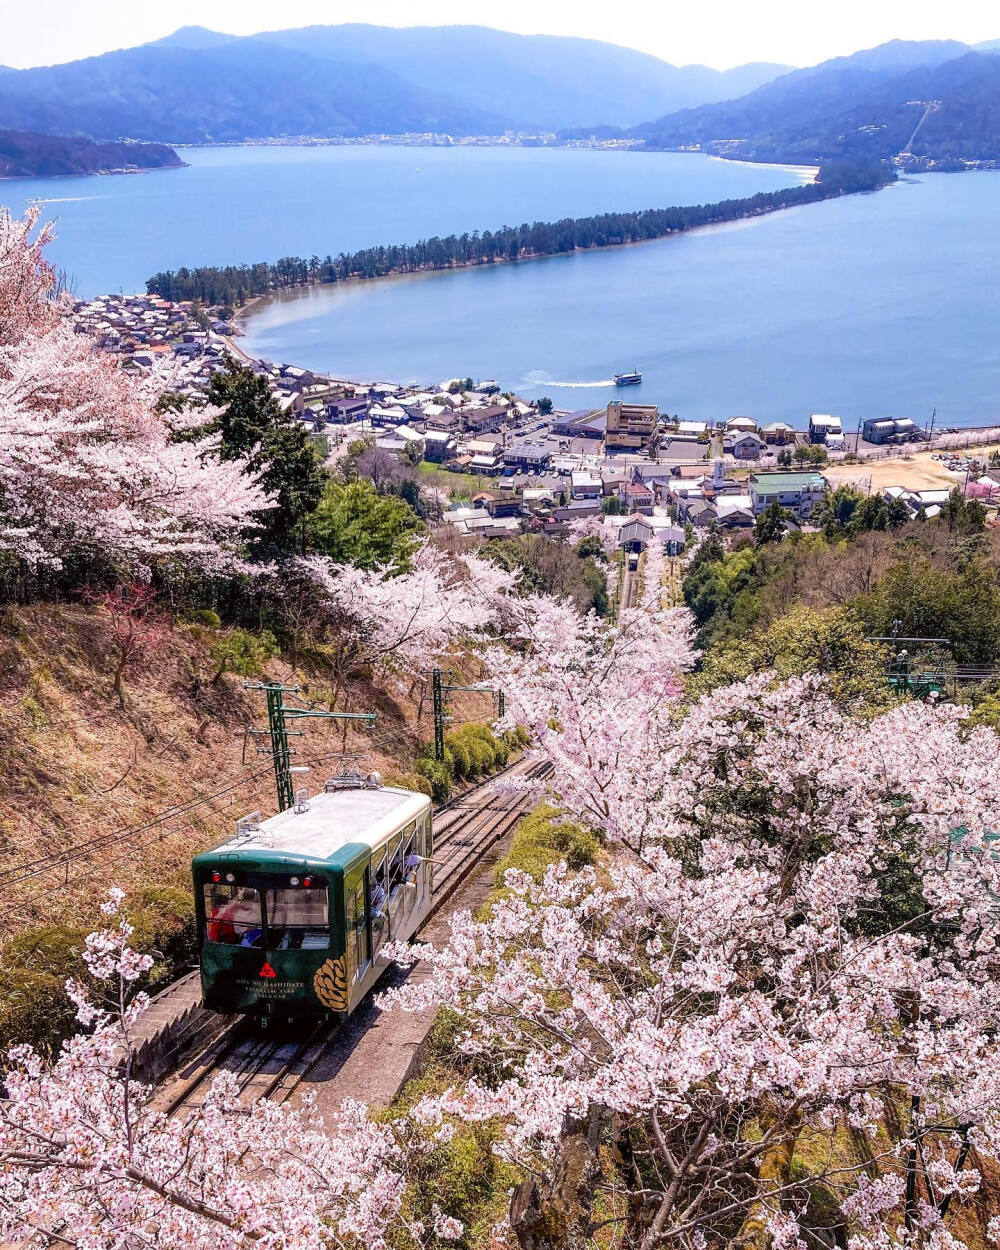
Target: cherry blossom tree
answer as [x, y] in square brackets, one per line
[600, 700]
[87, 463]
[403, 623]
[86, 1160]
[138, 628]
[775, 1026]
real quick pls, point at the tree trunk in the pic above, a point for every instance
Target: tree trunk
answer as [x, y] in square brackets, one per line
[119, 686]
[772, 1175]
[554, 1213]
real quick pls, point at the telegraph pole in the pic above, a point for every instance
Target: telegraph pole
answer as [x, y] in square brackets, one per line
[438, 687]
[278, 716]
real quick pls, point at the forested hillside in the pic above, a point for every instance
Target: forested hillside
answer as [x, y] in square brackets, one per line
[27, 155]
[934, 101]
[197, 85]
[242, 90]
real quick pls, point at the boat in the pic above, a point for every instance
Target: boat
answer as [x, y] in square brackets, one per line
[628, 379]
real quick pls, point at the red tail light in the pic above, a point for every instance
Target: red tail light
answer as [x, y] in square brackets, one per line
[307, 882]
[216, 877]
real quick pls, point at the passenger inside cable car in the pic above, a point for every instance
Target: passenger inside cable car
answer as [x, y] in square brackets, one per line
[233, 915]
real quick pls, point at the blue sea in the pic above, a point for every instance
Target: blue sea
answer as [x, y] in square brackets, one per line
[880, 304]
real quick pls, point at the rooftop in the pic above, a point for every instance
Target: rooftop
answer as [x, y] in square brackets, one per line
[362, 818]
[806, 480]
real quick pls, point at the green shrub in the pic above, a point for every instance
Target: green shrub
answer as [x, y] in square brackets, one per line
[481, 755]
[35, 1008]
[204, 617]
[544, 838]
[243, 652]
[35, 966]
[462, 766]
[410, 781]
[470, 751]
[438, 775]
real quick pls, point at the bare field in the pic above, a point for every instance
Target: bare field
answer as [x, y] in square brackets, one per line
[917, 472]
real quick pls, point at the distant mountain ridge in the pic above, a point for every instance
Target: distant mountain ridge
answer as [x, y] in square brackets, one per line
[236, 90]
[24, 154]
[198, 85]
[930, 104]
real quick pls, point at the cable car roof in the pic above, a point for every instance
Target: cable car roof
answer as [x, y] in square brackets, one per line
[334, 820]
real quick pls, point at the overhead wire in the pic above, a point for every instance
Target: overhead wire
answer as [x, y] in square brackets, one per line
[81, 850]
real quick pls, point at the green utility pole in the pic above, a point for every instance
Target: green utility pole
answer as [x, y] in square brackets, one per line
[278, 716]
[438, 700]
[438, 687]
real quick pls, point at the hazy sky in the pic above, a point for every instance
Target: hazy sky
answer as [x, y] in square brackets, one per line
[719, 33]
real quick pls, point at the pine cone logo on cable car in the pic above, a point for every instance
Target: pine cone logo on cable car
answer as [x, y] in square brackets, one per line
[330, 984]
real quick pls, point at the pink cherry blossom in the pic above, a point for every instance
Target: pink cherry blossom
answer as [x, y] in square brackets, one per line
[87, 464]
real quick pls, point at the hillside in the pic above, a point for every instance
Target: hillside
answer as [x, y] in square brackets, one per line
[199, 85]
[937, 100]
[24, 154]
[535, 81]
[240, 90]
[76, 765]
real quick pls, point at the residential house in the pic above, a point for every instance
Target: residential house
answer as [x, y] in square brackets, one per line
[699, 511]
[821, 426]
[504, 503]
[483, 420]
[577, 509]
[690, 432]
[637, 497]
[344, 411]
[585, 485]
[741, 424]
[444, 419]
[391, 415]
[583, 423]
[889, 430]
[778, 433]
[438, 445]
[798, 492]
[743, 445]
[529, 456]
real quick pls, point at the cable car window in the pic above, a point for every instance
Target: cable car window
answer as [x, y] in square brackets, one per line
[424, 837]
[298, 918]
[357, 932]
[380, 883]
[232, 915]
[412, 854]
[395, 863]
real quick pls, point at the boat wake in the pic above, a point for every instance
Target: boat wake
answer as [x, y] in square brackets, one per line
[582, 385]
[69, 199]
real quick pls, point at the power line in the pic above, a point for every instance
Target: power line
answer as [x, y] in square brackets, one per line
[82, 850]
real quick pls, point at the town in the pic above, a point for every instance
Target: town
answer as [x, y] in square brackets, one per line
[511, 465]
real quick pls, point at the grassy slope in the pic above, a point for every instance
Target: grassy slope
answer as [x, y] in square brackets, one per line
[74, 766]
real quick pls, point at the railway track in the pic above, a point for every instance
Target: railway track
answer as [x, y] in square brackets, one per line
[273, 1067]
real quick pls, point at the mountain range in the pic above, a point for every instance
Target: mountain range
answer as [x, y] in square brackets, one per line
[199, 85]
[930, 104]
